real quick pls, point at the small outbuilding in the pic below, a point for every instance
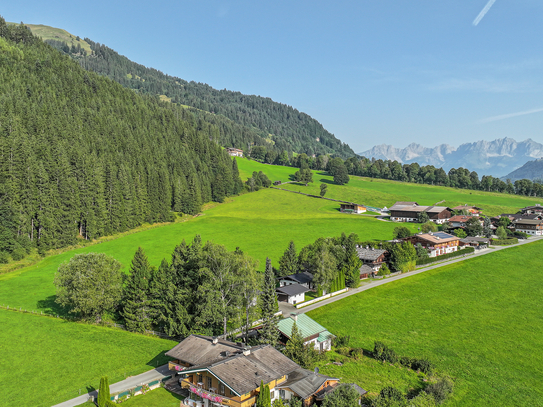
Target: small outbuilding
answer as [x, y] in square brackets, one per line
[293, 293]
[352, 208]
[305, 278]
[314, 334]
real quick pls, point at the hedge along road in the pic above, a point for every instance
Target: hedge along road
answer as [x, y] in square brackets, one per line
[287, 308]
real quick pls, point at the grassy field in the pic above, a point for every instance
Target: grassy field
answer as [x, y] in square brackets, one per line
[51, 33]
[156, 398]
[47, 360]
[261, 223]
[380, 193]
[479, 320]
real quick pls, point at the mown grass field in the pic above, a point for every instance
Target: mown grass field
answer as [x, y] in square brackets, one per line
[156, 398]
[261, 223]
[51, 33]
[47, 360]
[382, 193]
[479, 321]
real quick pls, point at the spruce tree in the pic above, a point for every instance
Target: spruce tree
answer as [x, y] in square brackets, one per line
[269, 307]
[136, 294]
[295, 346]
[288, 263]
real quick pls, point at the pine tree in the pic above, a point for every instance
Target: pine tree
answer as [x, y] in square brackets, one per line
[136, 294]
[288, 263]
[269, 307]
[238, 184]
[103, 393]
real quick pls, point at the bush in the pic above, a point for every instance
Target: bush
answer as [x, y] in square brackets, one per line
[341, 341]
[357, 353]
[520, 235]
[344, 351]
[18, 254]
[384, 353]
[4, 257]
[440, 390]
[424, 365]
[384, 270]
[504, 242]
[406, 361]
[457, 253]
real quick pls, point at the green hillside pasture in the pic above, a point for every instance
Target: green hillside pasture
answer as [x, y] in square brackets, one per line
[260, 223]
[380, 193]
[47, 360]
[478, 320]
[51, 33]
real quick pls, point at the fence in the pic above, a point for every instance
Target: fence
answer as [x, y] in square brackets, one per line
[462, 252]
[324, 297]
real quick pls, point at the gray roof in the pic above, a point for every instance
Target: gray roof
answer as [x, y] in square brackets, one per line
[365, 269]
[292, 289]
[301, 278]
[321, 395]
[405, 203]
[304, 383]
[369, 254]
[528, 222]
[403, 206]
[199, 350]
[243, 373]
[470, 239]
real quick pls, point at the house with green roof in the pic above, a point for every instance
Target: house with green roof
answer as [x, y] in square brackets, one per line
[314, 334]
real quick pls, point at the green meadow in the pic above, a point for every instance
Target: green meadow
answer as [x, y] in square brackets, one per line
[47, 360]
[260, 223]
[479, 321]
[380, 193]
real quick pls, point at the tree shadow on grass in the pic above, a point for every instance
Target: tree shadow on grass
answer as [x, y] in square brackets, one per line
[49, 306]
[160, 359]
[327, 181]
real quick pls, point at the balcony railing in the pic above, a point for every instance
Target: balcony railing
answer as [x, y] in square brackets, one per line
[200, 391]
[176, 366]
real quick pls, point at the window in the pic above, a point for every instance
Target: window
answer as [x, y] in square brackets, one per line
[282, 394]
[209, 382]
[200, 378]
[221, 389]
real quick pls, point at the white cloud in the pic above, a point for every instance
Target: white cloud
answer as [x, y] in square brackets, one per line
[510, 115]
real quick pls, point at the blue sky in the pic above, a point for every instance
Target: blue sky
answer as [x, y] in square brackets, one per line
[371, 72]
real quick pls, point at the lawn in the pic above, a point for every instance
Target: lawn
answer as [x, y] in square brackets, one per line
[260, 223]
[380, 193]
[478, 320]
[47, 360]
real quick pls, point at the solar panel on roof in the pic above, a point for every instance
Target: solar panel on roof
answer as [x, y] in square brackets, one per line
[442, 235]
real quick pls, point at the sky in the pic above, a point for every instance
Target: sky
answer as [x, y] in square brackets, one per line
[372, 72]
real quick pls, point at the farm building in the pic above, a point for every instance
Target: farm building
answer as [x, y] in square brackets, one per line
[352, 208]
[472, 210]
[215, 372]
[305, 279]
[293, 293]
[373, 258]
[437, 243]
[532, 227]
[459, 221]
[535, 209]
[409, 212]
[313, 333]
[234, 152]
[477, 242]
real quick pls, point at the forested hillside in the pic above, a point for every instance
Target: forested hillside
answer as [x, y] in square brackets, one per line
[266, 122]
[82, 156]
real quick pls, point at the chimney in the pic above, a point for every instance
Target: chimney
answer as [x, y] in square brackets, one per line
[246, 351]
[294, 316]
[215, 340]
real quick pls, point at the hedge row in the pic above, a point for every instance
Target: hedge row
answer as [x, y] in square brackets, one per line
[504, 242]
[466, 250]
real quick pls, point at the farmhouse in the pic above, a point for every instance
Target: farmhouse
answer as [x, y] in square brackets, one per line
[436, 243]
[305, 279]
[366, 272]
[352, 208]
[234, 152]
[536, 209]
[459, 221]
[217, 372]
[532, 227]
[313, 333]
[472, 210]
[373, 258]
[409, 212]
[292, 293]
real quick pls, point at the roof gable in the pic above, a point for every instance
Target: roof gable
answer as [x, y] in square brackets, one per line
[306, 326]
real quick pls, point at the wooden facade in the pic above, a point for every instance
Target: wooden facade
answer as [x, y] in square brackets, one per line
[352, 208]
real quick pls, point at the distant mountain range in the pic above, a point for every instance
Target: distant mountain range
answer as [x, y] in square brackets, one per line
[497, 158]
[531, 170]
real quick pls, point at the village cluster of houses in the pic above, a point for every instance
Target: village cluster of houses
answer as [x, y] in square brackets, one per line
[217, 372]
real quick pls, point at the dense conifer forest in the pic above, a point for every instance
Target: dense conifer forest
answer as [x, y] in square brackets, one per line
[264, 121]
[81, 156]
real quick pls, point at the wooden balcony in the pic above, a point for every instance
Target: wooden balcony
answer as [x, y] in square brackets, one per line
[211, 394]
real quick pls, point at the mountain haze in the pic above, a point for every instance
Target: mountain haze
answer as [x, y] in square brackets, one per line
[531, 170]
[497, 158]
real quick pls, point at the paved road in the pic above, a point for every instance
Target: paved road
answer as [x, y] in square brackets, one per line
[287, 308]
[133, 381]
